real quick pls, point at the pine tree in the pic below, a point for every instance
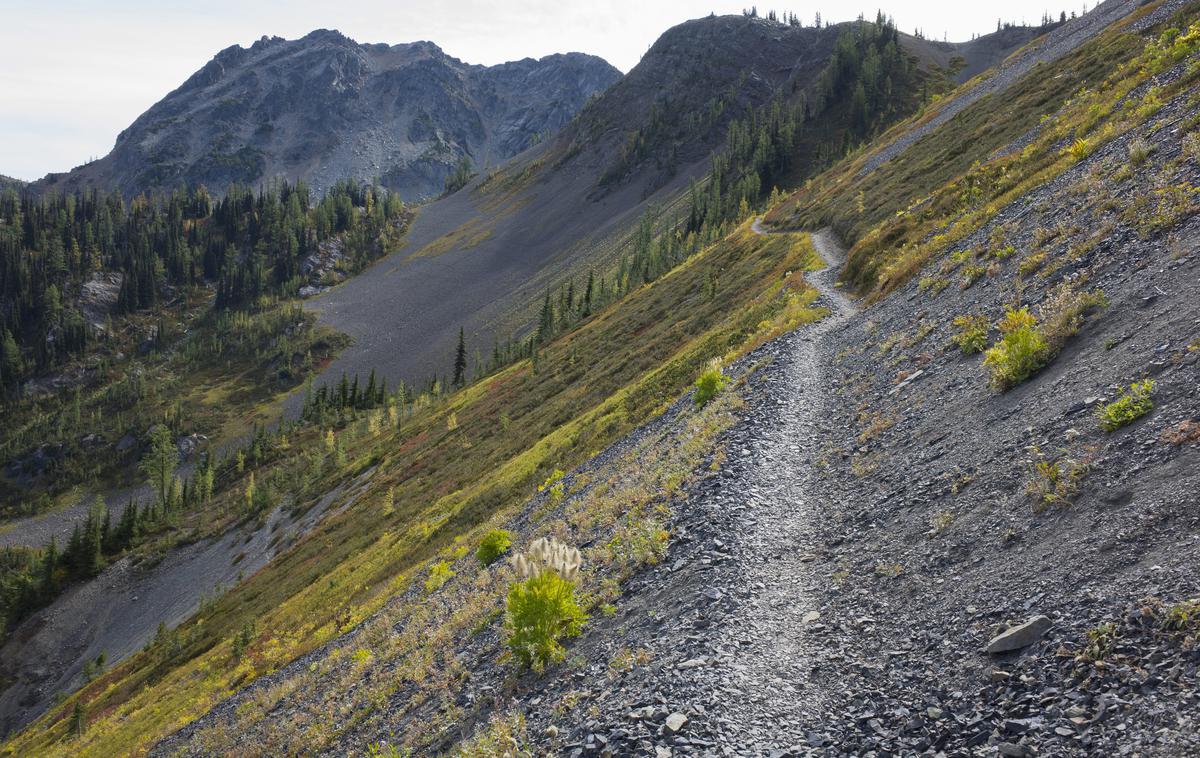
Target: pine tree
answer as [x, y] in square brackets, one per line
[93, 538]
[588, 293]
[158, 466]
[73, 556]
[369, 397]
[78, 717]
[460, 360]
[545, 321]
[49, 586]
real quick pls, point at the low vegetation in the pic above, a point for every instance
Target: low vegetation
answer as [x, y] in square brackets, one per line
[493, 545]
[1054, 480]
[1027, 343]
[972, 332]
[710, 382]
[1129, 407]
[541, 608]
[1020, 351]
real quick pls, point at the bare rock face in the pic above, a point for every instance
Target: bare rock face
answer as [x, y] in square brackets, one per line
[97, 296]
[324, 108]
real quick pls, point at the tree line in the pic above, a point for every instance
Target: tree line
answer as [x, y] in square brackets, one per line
[245, 245]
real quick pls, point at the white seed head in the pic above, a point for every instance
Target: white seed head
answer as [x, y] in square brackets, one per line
[548, 554]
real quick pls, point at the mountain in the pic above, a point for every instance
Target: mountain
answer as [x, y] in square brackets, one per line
[484, 258]
[849, 410]
[7, 182]
[324, 108]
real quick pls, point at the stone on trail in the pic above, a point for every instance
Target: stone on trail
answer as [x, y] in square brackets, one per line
[676, 721]
[1019, 636]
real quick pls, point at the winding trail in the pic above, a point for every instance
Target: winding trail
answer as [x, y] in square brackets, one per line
[769, 639]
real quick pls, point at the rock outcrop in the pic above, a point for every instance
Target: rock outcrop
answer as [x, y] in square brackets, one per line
[324, 108]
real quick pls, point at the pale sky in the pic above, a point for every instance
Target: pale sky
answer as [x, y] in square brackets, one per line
[74, 73]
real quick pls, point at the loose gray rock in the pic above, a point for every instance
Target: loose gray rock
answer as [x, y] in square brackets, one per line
[1021, 635]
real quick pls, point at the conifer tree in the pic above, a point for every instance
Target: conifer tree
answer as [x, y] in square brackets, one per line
[460, 360]
[158, 466]
[49, 586]
[78, 717]
[545, 321]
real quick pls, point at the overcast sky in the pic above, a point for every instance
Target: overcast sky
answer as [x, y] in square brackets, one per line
[74, 73]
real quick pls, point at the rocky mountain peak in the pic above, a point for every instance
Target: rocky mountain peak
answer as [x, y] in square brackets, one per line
[324, 107]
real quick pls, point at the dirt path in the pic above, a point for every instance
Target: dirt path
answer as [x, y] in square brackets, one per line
[770, 637]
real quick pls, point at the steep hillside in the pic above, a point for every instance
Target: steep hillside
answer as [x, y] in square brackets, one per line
[676, 515]
[7, 182]
[325, 108]
[571, 207]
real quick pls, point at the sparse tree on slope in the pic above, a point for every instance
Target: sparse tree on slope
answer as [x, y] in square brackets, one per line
[460, 360]
[159, 464]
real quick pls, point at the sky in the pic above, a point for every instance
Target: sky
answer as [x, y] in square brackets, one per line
[74, 73]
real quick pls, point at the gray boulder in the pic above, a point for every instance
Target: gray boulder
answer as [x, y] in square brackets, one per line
[1019, 636]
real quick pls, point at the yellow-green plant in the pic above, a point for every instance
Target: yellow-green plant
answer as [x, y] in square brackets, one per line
[1054, 481]
[554, 487]
[494, 544]
[541, 609]
[971, 274]
[972, 333]
[1182, 616]
[710, 382]
[1129, 407]
[1079, 149]
[1100, 642]
[439, 574]
[1020, 351]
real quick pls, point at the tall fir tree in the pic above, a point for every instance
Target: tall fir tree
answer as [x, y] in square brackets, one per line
[460, 360]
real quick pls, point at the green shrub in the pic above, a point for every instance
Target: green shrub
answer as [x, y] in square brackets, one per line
[972, 333]
[711, 382]
[933, 284]
[494, 544]
[1025, 346]
[439, 574]
[1129, 407]
[542, 609]
[1031, 263]
[1100, 642]
[1182, 617]
[1020, 351]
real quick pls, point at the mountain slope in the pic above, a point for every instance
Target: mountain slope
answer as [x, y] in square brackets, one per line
[869, 530]
[325, 108]
[379, 629]
[571, 205]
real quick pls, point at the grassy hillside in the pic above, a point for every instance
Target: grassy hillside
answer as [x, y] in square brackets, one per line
[952, 181]
[437, 468]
